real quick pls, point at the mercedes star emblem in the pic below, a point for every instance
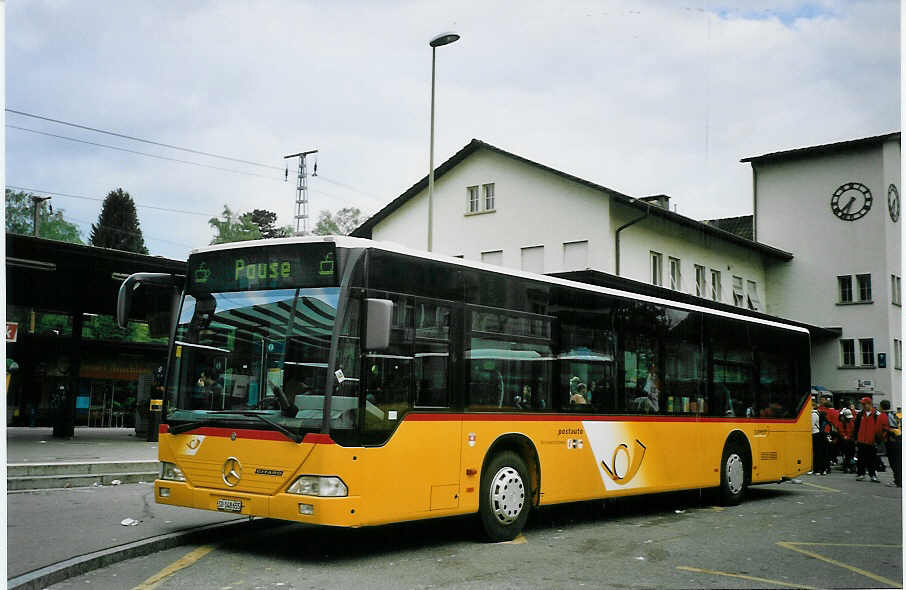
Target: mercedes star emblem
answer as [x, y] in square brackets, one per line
[232, 471]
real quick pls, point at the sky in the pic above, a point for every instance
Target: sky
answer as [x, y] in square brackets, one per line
[642, 97]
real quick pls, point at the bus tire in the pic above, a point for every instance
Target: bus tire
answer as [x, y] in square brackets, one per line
[505, 499]
[732, 475]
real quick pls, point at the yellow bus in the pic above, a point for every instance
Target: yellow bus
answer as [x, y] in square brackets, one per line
[346, 382]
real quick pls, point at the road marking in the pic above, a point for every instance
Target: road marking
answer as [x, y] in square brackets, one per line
[519, 540]
[825, 488]
[181, 563]
[793, 547]
[744, 577]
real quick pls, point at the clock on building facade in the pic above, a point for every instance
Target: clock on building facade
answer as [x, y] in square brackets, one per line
[851, 201]
[893, 202]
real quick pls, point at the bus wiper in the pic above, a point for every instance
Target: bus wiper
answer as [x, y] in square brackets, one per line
[295, 436]
[187, 426]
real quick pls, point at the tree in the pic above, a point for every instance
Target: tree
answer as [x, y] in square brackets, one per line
[117, 225]
[265, 221]
[233, 228]
[343, 222]
[51, 223]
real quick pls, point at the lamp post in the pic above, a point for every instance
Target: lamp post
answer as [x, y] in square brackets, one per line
[438, 41]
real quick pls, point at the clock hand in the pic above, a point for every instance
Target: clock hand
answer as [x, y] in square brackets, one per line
[846, 207]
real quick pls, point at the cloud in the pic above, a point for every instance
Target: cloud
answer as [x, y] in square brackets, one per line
[651, 97]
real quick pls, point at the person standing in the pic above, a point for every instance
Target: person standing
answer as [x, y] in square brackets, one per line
[894, 445]
[819, 442]
[869, 429]
[847, 445]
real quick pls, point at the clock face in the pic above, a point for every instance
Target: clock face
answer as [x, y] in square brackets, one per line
[851, 201]
[893, 203]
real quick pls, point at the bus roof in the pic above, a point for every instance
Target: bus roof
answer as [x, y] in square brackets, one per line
[350, 242]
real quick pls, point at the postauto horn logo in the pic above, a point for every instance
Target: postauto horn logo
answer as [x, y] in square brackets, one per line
[633, 460]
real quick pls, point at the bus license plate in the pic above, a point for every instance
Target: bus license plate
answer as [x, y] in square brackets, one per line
[229, 505]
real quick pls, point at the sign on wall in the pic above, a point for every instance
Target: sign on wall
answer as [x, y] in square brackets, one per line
[12, 331]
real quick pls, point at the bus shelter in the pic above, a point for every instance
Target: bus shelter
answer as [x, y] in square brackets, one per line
[68, 362]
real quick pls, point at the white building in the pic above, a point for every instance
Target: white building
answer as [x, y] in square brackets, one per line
[836, 207]
[500, 208]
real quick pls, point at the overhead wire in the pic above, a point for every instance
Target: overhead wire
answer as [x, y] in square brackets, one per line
[101, 199]
[148, 141]
[122, 149]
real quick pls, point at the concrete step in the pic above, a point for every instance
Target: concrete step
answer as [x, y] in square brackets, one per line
[45, 482]
[96, 468]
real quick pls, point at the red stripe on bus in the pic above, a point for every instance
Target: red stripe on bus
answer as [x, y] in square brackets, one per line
[240, 433]
[318, 439]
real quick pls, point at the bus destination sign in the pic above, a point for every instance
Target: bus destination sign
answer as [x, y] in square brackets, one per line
[285, 266]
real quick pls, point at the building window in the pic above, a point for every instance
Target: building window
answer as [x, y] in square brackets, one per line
[575, 255]
[752, 295]
[493, 257]
[738, 297]
[533, 259]
[845, 288]
[716, 293]
[473, 199]
[867, 351]
[897, 354]
[895, 290]
[488, 190]
[657, 269]
[700, 285]
[676, 275]
[848, 353]
[864, 287]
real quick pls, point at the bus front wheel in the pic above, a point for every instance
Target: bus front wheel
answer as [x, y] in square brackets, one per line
[732, 475]
[505, 499]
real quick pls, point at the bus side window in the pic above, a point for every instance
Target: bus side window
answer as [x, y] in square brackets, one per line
[432, 355]
[732, 369]
[389, 375]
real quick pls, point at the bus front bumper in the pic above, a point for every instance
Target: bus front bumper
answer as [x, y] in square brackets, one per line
[311, 509]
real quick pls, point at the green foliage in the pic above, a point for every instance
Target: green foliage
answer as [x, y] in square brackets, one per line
[117, 225]
[265, 221]
[105, 328]
[51, 223]
[234, 228]
[341, 223]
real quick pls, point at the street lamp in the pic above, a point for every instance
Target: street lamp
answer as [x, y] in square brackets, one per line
[438, 41]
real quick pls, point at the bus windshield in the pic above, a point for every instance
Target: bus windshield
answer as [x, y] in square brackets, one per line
[266, 352]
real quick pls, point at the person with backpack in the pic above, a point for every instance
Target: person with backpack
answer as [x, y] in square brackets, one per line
[869, 429]
[894, 445]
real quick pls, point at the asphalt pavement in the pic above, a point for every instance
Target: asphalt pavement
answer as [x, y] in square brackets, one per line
[827, 532]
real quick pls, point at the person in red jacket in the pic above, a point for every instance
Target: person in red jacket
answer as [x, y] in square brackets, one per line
[870, 428]
[847, 445]
[831, 429]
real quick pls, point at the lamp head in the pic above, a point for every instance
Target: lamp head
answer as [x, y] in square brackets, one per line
[444, 39]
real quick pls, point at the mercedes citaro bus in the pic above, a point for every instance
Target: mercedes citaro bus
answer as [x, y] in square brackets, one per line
[346, 382]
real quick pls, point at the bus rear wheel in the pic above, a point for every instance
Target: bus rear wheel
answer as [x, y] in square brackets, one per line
[505, 499]
[732, 475]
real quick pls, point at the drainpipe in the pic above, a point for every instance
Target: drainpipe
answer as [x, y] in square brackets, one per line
[624, 226]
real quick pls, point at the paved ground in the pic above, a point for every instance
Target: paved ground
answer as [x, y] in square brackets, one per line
[829, 532]
[37, 445]
[46, 527]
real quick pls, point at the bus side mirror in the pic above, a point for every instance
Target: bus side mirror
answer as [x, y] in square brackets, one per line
[377, 323]
[126, 294]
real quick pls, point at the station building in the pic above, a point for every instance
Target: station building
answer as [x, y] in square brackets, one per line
[64, 350]
[501, 208]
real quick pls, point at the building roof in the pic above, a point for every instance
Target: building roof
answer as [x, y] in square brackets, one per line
[364, 230]
[823, 149]
[741, 225]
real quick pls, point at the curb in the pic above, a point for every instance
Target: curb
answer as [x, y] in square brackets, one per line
[76, 566]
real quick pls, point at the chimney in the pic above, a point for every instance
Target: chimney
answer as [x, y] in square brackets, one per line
[662, 201]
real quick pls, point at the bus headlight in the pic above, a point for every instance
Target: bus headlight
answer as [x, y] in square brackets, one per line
[315, 485]
[171, 472]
